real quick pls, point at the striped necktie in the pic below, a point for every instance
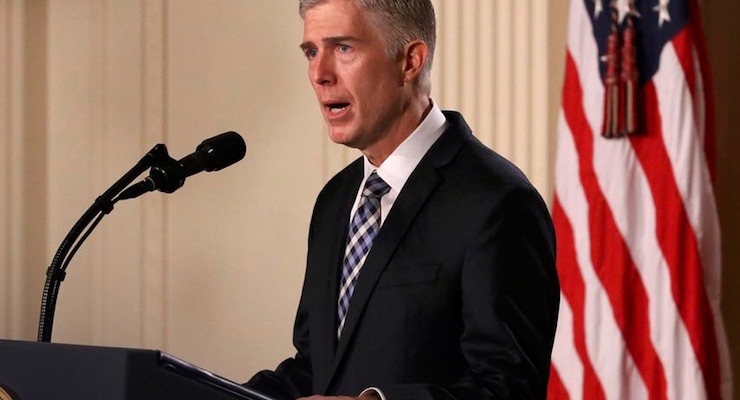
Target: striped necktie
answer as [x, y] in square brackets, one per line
[362, 230]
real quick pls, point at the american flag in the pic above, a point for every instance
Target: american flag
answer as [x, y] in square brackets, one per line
[639, 253]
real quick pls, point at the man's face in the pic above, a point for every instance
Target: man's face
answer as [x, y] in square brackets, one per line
[360, 90]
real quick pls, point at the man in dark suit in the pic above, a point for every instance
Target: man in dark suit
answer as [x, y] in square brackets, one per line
[431, 259]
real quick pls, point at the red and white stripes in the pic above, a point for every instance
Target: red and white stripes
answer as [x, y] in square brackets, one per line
[638, 235]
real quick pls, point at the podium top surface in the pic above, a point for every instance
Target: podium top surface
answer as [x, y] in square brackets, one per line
[41, 371]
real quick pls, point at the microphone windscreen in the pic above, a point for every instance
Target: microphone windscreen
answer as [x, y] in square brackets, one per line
[221, 151]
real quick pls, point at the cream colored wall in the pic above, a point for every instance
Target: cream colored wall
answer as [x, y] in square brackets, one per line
[212, 273]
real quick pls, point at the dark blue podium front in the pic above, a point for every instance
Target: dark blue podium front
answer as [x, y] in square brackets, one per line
[51, 371]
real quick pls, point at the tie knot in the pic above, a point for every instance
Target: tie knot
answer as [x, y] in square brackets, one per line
[375, 186]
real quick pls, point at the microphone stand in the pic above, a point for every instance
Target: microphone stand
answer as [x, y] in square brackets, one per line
[102, 206]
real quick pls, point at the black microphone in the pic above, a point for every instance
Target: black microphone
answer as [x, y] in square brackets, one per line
[168, 174]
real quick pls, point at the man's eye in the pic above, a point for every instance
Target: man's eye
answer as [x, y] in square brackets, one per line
[311, 53]
[344, 48]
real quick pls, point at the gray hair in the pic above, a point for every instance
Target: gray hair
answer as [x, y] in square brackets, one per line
[400, 21]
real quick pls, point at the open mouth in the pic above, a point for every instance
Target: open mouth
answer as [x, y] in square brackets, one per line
[336, 108]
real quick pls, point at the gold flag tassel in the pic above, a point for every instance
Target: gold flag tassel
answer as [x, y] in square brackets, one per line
[610, 128]
[629, 77]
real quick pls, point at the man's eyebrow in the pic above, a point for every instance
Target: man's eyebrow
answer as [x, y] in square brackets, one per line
[338, 39]
[328, 40]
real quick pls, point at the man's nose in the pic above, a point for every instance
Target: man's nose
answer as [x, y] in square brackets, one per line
[322, 70]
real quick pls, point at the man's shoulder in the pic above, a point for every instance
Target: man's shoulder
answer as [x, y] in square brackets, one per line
[472, 160]
[459, 137]
[474, 168]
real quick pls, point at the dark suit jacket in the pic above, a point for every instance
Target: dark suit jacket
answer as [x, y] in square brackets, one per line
[458, 297]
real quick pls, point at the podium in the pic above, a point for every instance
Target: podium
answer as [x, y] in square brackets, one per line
[43, 371]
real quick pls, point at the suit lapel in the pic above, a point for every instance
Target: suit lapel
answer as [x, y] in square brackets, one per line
[384, 245]
[416, 191]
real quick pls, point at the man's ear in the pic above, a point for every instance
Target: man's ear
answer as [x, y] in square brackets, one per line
[414, 57]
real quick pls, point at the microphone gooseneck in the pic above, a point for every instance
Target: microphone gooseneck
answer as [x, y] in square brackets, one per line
[166, 175]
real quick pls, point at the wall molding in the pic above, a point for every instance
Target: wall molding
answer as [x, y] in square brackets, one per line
[11, 125]
[95, 136]
[6, 170]
[154, 130]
